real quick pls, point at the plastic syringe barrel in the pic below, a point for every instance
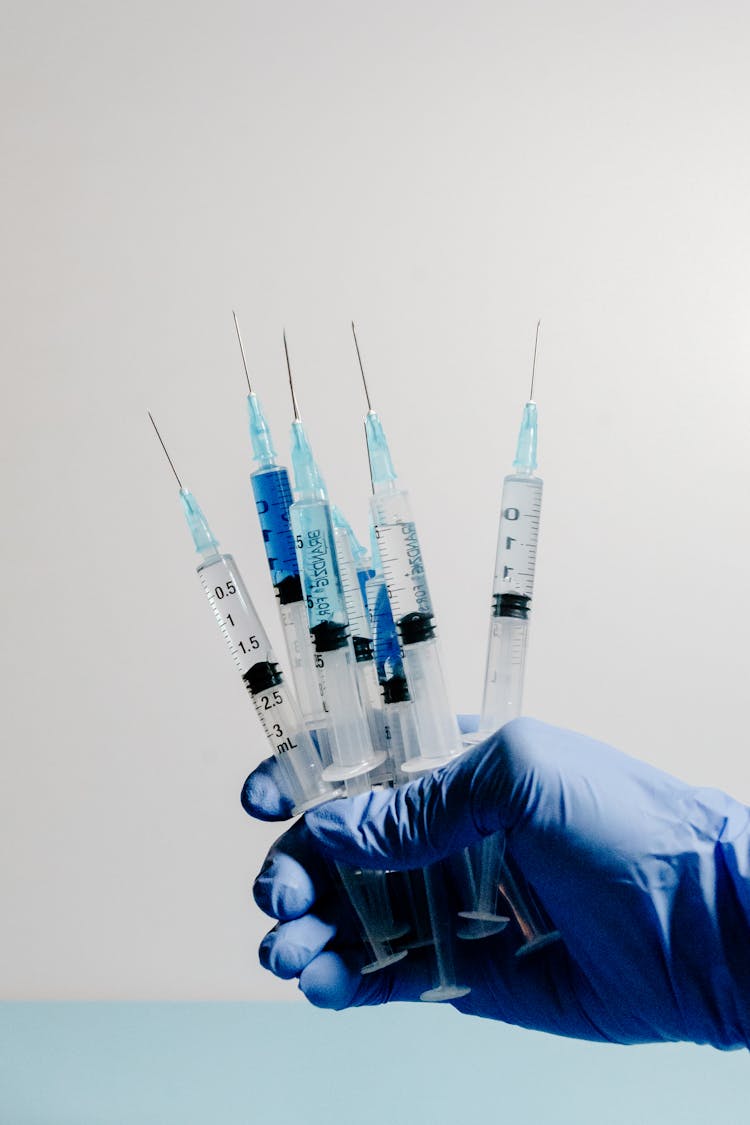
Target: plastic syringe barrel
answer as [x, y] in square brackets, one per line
[354, 579]
[349, 742]
[512, 592]
[273, 499]
[354, 756]
[405, 579]
[282, 723]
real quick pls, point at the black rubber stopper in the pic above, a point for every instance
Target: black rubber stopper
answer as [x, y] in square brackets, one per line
[416, 627]
[289, 590]
[511, 605]
[262, 676]
[362, 649]
[329, 636]
[395, 690]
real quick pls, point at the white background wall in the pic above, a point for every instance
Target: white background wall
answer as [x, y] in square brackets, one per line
[445, 173]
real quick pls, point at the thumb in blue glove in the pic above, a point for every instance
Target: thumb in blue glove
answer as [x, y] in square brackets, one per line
[647, 878]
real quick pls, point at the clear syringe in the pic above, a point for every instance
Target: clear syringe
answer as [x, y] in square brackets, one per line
[403, 743]
[512, 591]
[354, 758]
[273, 498]
[513, 583]
[275, 706]
[425, 889]
[349, 743]
[439, 741]
[409, 596]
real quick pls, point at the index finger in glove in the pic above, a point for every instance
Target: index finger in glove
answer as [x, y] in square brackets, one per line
[263, 795]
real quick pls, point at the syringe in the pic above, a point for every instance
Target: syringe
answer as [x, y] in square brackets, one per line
[398, 710]
[349, 743]
[273, 497]
[513, 583]
[425, 889]
[275, 706]
[438, 737]
[353, 756]
[512, 591]
[409, 596]
[403, 742]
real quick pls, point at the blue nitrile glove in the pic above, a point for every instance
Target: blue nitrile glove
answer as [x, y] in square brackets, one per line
[647, 879]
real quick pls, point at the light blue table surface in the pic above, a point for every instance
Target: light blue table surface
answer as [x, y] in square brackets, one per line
[225, 1064]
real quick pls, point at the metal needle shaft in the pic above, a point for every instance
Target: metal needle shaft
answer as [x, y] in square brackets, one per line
[242, 351]
[359, 357]
[161, 440]
[291, 381]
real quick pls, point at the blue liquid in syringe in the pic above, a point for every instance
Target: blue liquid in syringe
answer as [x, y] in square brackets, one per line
[273, 498]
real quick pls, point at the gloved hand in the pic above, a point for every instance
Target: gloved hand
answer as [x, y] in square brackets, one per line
[647, 878]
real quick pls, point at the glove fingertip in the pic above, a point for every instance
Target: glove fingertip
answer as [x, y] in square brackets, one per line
[327, 982]
[261, 796]
[291, 946]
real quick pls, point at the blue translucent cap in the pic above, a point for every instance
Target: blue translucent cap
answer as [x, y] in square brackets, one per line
[260, 434]
[205, 543]
[307, 478]
[381, 466]
[526, 449]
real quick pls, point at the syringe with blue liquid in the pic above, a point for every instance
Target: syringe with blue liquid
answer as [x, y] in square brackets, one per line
[273, 497]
